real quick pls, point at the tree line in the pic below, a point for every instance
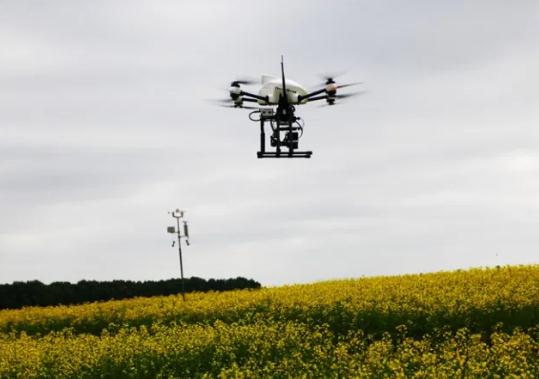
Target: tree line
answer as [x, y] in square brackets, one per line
[35, 293]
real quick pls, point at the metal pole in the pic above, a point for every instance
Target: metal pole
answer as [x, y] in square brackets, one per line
[180, 254]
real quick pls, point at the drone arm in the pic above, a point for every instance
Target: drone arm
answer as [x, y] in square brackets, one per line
[310, 96]
[314, 98]
[263, 98]
[249, 100]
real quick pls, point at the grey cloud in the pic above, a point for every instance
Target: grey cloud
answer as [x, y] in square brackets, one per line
[104, 126]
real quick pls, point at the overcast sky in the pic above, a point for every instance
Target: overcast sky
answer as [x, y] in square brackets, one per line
[105, 126]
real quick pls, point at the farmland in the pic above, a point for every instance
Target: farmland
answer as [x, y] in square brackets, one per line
[465, 323]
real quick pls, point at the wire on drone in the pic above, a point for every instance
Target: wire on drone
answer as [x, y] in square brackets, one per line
[253, 112]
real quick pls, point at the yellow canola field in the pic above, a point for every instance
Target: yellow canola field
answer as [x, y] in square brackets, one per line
[481, 322]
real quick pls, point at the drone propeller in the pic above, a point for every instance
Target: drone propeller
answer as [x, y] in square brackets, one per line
[331, 75]
[349, 85]
[331, 82]
[329, 78]
[331, 99]
[347, 95]
[221, 101]
[238, 106]
[243, 81]
[229, 103]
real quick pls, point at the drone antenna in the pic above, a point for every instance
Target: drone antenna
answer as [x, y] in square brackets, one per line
[284, 85]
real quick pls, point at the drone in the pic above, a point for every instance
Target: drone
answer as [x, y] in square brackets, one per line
[277, 99]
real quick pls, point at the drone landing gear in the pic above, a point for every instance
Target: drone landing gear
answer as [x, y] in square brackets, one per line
[275, 154]
[290, 140]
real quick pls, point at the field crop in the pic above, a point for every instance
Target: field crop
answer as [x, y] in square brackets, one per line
[475, 323]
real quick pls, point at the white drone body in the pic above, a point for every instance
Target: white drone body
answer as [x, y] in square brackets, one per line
[272, 87]
[271, 91]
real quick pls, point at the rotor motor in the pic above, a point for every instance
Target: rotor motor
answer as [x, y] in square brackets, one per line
[235, 91]
[235, 94]
[331, 88]
[331, 91]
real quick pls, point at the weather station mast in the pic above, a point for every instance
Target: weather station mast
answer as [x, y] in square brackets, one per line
[178, 215]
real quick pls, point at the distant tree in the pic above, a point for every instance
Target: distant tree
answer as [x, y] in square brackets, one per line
[35, 293]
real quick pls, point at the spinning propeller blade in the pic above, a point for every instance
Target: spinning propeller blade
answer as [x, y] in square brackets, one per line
[329, 78]
[238, 106]
[341, 96]
[229, 103]
[349, 84]
[245, 81]
[347, 95]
